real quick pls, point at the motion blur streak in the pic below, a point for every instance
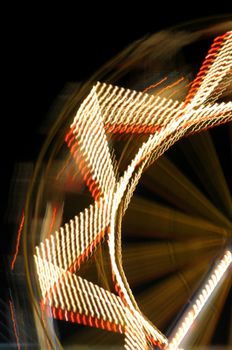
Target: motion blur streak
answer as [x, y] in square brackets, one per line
[171, 85]
[216, 187]
[155, 85]
[17, 242]
[52, 220]
[14, 324]
[167, 179]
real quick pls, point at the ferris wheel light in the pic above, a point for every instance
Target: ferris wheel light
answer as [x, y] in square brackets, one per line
[202, 298]
[113, 109]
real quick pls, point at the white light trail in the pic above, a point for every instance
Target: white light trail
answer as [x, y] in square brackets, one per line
[203, 296]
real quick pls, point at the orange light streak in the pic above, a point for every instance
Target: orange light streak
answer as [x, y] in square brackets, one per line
[52, 221]
[17, 242]
[155, 85]
[14, 325]
[171, 85]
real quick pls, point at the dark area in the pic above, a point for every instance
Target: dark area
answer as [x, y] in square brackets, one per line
[46, 48]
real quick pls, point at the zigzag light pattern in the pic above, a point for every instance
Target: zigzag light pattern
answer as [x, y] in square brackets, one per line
[114, 110]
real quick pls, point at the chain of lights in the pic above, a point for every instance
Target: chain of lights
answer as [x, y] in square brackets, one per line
[200, 301]
[114, 110]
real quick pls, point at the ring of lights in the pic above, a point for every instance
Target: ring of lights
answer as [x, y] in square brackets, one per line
[111, 109]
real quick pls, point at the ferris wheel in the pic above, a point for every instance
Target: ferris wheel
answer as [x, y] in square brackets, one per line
[123, 245]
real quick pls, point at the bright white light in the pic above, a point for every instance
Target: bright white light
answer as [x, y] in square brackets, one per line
[200, 301]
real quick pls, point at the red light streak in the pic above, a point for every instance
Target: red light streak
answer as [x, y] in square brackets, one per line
[215, 47]
[52, 221]
[155, 85]
[14, 325]
[17, 242]
[171, 85]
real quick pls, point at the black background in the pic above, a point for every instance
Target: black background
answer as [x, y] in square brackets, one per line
[47, 47]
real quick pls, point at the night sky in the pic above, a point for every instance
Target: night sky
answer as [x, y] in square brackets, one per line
[46, 48]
